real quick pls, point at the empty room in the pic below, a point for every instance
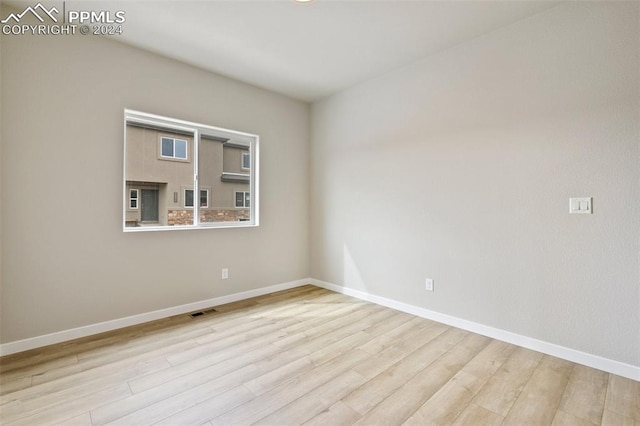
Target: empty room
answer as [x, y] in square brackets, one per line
[321, 212]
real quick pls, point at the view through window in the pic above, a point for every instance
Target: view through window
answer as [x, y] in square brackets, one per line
[168, 160]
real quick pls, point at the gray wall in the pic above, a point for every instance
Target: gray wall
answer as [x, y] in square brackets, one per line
[66, 262]
[460, 168]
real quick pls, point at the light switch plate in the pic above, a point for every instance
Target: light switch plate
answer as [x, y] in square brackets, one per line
[429, 284]
[580, 205]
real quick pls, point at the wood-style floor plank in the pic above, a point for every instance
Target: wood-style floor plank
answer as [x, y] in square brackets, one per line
[289, 391]
[380, 387]
[304, 356]
[73, 405]
[504, 387]
[540, 398]
[213, 380]
[474, 415]
[585, 395]
[316, 401]
[402, 403]
[48, 396]
[338, 414]
[563, 418]
[611, 418]
[83, 419]
[452, 398]
[623, 397]
[200, 413]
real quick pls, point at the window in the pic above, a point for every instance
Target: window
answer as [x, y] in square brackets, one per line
[246, 161]
[242, 199]
[173, 148]
[133, 199]
[188, 198]
[204, 198]
[198, 187]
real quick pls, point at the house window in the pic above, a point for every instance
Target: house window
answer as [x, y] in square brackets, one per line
[204, 198]
[173, 148]
[178, 168]
[133, 199]
[242, 199]
[246, 161]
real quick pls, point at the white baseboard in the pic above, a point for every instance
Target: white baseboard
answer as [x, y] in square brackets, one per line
[89, 330]
[600, 363]
[604, 364]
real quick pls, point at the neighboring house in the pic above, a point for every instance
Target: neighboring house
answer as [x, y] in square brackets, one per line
[160, 178]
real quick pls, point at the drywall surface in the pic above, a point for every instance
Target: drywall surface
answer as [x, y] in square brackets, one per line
[460, 168]
[66, 262]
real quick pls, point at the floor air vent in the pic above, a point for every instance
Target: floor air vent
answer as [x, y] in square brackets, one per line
[201, 313]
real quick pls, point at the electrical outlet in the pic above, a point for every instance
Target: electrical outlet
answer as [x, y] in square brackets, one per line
[225, 273]
[429, 284]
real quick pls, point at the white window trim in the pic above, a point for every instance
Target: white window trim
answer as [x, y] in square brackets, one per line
[242, 160]
[235, 198]
[206, 206]
[251, 141]
[174, 139]
[184, 198]
[137, 198]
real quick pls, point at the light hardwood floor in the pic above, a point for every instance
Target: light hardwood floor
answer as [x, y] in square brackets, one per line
[305, 356]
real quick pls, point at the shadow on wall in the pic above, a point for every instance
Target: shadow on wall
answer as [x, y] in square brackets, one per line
[352, 278]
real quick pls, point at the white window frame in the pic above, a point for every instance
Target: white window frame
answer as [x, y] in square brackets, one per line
[244, 199]
[251, 141]
[184, 197]
[206, 205]
[137, 198]
[173, 157]
[242, 156]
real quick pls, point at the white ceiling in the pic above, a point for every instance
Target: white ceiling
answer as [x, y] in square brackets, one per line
[307, 50]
